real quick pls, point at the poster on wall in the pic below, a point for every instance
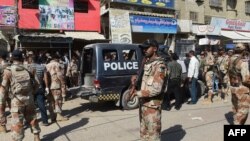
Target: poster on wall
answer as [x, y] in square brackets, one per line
[56, 14]
[157, 3]
[120, 26]
[7, 16]
[149, 24]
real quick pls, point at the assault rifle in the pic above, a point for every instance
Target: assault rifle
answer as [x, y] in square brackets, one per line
[135, 86]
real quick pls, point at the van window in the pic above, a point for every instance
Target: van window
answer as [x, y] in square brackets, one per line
[88, 66]
[129, 54]
[109, 55]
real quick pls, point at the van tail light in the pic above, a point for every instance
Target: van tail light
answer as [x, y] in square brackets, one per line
[97, 83]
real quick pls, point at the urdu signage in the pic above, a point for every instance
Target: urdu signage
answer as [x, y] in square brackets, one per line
[149, 24]
[154, 3]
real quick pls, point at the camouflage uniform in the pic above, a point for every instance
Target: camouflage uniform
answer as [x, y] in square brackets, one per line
[72, 72]
[22, 105]
[208, 70]
[239, 77]
[57, 85]
[151, 99]
[6, 98]
[63, 83]
[223, 64]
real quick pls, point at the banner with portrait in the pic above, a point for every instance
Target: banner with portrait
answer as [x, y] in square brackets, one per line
[56, 14]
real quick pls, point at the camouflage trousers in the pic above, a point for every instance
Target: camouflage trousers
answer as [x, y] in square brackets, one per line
[225, 85]
[19, 112]
[150, 124]
[56, 103]
[209, 81]
[3, 102]
[240, 102]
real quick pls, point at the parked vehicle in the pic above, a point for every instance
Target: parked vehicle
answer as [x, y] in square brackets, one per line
[106, 70]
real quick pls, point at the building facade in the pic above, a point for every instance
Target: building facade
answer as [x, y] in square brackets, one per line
[75, 19]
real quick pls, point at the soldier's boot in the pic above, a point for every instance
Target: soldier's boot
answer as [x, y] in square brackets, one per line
[64, 100]
[59, 117]
[2, 129]
[36, 137]
[209, 99]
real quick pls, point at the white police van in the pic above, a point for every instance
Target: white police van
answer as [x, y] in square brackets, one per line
[106, 70]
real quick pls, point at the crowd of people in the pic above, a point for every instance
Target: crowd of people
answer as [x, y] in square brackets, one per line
[211, 69]
[223, 73]
[28, 79]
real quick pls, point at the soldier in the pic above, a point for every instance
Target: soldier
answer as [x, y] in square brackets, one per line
[20, 82]
[240, 82]
[150, 94]
[208, 73]
[57, 86]
[3, 65]
[72, 72]
[223, 64]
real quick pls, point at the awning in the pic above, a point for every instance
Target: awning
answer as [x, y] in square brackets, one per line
[44, 38]
[85, 35]
[237, 36]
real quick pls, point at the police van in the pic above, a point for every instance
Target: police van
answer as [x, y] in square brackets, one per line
[106, 70]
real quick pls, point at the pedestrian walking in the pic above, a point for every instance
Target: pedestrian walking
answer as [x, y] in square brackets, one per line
[174, 82]
[57, 86]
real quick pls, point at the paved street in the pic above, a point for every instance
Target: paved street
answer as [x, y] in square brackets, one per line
[105, 122]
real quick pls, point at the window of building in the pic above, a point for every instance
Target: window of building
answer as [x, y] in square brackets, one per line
[194, 16]
[231, 4]
[207, 19]
[247, 9]
[30, 4]
[215, 3]
[81, 6]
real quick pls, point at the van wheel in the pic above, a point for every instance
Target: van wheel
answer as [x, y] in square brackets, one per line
[131, 104]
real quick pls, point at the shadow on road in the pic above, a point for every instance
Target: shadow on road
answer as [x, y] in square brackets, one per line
[174, 133]
[64, 130]
[229, 117]
[102, 107]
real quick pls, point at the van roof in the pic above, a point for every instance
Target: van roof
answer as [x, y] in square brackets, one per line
[107, 44]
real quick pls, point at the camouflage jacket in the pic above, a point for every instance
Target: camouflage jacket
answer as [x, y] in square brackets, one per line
[153, 79]
[56, 75]
[209, 61]
[239, 70]
[223, 63]
[7, 82]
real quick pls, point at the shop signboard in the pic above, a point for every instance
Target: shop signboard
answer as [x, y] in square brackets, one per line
[120, 26]
[206, 30]
[230, 24]
[56, 14]
[149, 24]
[154, 3]
[7, 16]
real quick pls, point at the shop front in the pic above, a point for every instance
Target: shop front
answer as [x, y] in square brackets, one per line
[207, 35]
[232, 31]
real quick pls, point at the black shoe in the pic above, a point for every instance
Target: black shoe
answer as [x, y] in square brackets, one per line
[168, 108]
[190, 103]
[177, 108]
